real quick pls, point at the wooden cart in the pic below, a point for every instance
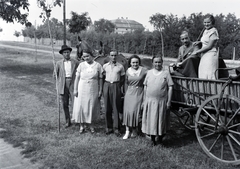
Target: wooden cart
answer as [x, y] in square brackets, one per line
[212, 109]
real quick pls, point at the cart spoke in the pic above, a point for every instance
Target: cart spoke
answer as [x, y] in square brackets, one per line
[226, 109]
[234, 132]
[235, 125]
[209, 115]
[216, 108]
[222, 146]
[207, 135]
[214, 142]
[230, 144]
[206, 124]
[208, 129]
[236, 113]
[234, 138]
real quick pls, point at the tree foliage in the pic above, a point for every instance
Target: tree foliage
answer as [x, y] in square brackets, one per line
[15, 10]
[17, 33]
[78, 23]
[42, 30]
[46, 8]
[104, 26]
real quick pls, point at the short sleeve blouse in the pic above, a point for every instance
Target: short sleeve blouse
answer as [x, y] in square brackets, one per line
[208, 35]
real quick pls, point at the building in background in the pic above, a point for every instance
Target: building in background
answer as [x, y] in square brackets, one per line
[125, 25]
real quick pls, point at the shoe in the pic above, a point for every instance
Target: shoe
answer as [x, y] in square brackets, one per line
[153, 139]
[126, 136]
[68, 125]
[160, 139]
[81, 130]
[153, 143]
[108, 132]
[92, 130]
[147, 136]
[134, 134]
[117, 133]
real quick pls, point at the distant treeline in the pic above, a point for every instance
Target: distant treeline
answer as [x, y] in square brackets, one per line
[150, 43]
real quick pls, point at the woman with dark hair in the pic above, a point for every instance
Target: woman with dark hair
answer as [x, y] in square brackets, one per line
[157, 100]
[209, 54]
[87, 91]
[134, 94]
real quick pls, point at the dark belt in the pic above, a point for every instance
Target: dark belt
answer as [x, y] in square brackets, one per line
[68, 77]
[112, 82]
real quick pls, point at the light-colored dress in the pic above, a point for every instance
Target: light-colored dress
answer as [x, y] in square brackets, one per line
[87, 105]
[133, 96]
[154, 120]
[209, 60]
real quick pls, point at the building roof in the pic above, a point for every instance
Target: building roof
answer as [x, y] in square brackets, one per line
[128, 24]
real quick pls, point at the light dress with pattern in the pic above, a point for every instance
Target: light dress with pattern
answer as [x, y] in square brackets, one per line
[87, 105]
[134, 96]
[209, 60]
[154, 120]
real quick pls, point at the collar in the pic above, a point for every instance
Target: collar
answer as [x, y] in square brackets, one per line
[90, 65]
[189, 46]
[111, 63]
[64, 60]
[134, 72]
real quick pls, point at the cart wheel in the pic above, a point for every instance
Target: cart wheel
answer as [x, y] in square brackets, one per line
[219, 136]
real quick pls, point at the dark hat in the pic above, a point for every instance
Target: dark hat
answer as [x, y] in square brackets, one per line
[65, 47]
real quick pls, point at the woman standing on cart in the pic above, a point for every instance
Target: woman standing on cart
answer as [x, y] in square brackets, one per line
[135, 76]
[209, 59]
[157, 99]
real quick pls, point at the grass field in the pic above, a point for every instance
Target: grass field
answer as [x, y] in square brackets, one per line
[29, 114]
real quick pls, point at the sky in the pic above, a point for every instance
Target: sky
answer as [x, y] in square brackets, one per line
[138, 10]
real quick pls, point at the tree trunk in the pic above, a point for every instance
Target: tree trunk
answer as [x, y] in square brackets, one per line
[55, 73]
[162, 43]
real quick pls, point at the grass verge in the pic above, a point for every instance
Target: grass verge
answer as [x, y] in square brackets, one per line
[29, 115]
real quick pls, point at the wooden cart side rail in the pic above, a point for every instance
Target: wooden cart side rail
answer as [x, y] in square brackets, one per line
[193, 91]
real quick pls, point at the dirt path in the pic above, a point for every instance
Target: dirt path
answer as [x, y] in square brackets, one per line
[32, 49]
[11, 158]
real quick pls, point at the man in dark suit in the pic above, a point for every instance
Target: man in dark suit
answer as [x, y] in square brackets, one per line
[66, 71]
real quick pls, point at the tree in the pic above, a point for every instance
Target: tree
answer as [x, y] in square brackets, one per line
[47, 12]
[47, 7]
[229, 31]
[104, 26]
[12, 10]
[158, 21]
[17, 34]
[28, 32]
[78, 23]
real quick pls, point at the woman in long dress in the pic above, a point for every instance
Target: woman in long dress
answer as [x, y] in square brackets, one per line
[209, 59]
[135, 76]
[157, 99]
[87, 92]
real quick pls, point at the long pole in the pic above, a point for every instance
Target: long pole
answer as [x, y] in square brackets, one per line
[64, 22]
[35, 41]
[55, 71]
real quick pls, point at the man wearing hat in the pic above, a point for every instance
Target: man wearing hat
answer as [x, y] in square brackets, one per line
[66, 71]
